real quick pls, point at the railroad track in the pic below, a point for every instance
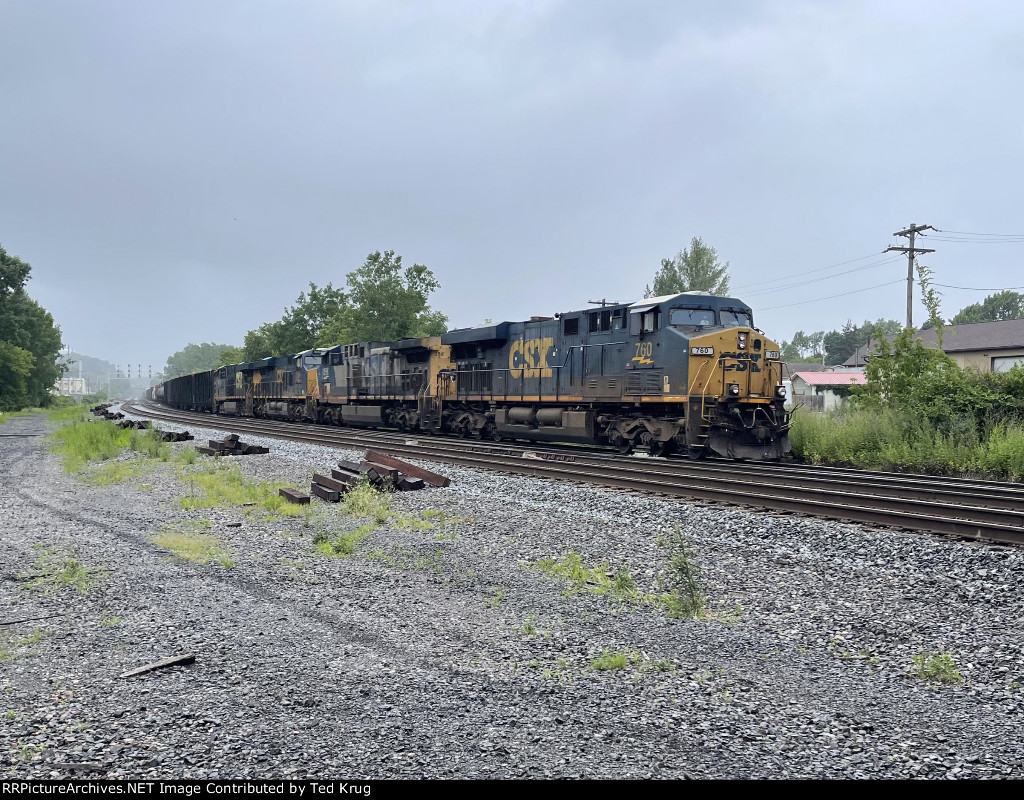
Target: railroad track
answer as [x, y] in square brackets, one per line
[988, 511]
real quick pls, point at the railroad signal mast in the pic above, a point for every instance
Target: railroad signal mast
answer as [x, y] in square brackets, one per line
[911, 251]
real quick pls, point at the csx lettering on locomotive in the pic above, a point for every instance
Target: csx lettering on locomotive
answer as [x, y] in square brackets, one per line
[529, 358]
[741, 360]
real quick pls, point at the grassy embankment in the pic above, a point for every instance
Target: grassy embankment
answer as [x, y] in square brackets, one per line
[890, 440]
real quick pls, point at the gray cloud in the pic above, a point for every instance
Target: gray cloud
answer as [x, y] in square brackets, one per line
[534, 155]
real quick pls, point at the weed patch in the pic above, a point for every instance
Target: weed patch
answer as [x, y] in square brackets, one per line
[936, 667]
[624, 659]
[187, 456]
[60, 569]
[343, 545]
[198, 548]
[497, 595]
[12, 648]
[597, 579]
[220, 485]
[113, 472]
[578, 575]
[617, 660]
[365, 501]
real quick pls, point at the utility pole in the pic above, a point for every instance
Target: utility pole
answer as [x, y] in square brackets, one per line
[911, 251]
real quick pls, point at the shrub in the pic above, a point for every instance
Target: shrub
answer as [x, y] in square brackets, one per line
[936, 667]
[682, 595]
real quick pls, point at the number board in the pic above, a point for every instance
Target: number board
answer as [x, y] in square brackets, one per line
[702, 351]
[771, 355]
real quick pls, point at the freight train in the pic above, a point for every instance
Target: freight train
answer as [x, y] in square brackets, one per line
[681, 374]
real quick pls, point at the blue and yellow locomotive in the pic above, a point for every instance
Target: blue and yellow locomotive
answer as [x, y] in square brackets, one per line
[686, 373]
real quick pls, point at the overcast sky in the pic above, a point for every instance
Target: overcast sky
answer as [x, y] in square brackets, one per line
[180, 171]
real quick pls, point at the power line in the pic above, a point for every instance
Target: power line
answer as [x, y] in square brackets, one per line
[824, 278]
[976, 289]
[972, 233]
[808, 272]
[833, 296]
[975, 241]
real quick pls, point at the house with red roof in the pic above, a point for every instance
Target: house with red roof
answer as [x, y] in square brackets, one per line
[821, 391]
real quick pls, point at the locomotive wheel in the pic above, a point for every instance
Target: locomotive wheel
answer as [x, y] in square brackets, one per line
[624, 447]
[695, 453]
[657, 449]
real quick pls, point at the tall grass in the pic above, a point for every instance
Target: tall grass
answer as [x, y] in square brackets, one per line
[892, 440]
[82, 442]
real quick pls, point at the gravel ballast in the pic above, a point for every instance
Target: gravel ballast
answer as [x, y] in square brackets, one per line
[446, 652]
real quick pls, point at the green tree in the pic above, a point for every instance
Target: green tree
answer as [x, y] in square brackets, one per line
[13, 274]
[789, 352]
[232, 355]
[27, 327]
[1001, 305]
[200, 358]
[387, 303]
[803, 347]
[15, 370]
[840, 345]
[301, 325]
[695, 269]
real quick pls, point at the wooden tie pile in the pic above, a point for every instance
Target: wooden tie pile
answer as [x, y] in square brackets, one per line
[169, 436]
[383, 472]
[231, 445]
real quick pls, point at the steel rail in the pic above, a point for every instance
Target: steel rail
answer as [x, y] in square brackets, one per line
[912, 502]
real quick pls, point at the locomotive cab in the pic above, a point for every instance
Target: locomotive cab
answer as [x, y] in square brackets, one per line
[702, 354]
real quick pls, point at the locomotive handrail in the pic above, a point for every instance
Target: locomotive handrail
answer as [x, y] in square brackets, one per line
[505, 371]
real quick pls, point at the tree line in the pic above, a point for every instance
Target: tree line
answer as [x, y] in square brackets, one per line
[836, 346]
[29, 341]
[381, 301]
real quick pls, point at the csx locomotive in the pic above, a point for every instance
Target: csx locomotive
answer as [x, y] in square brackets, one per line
[686, 373]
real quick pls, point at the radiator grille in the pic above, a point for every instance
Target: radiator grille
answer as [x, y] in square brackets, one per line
[644, 381]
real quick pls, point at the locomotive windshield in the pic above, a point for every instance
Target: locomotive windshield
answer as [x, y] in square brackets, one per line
[731, 318]
[693, 316]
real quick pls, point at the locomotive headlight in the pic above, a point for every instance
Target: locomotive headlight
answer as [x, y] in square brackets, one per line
[733, 389]
[741, 340]
[780, 391]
